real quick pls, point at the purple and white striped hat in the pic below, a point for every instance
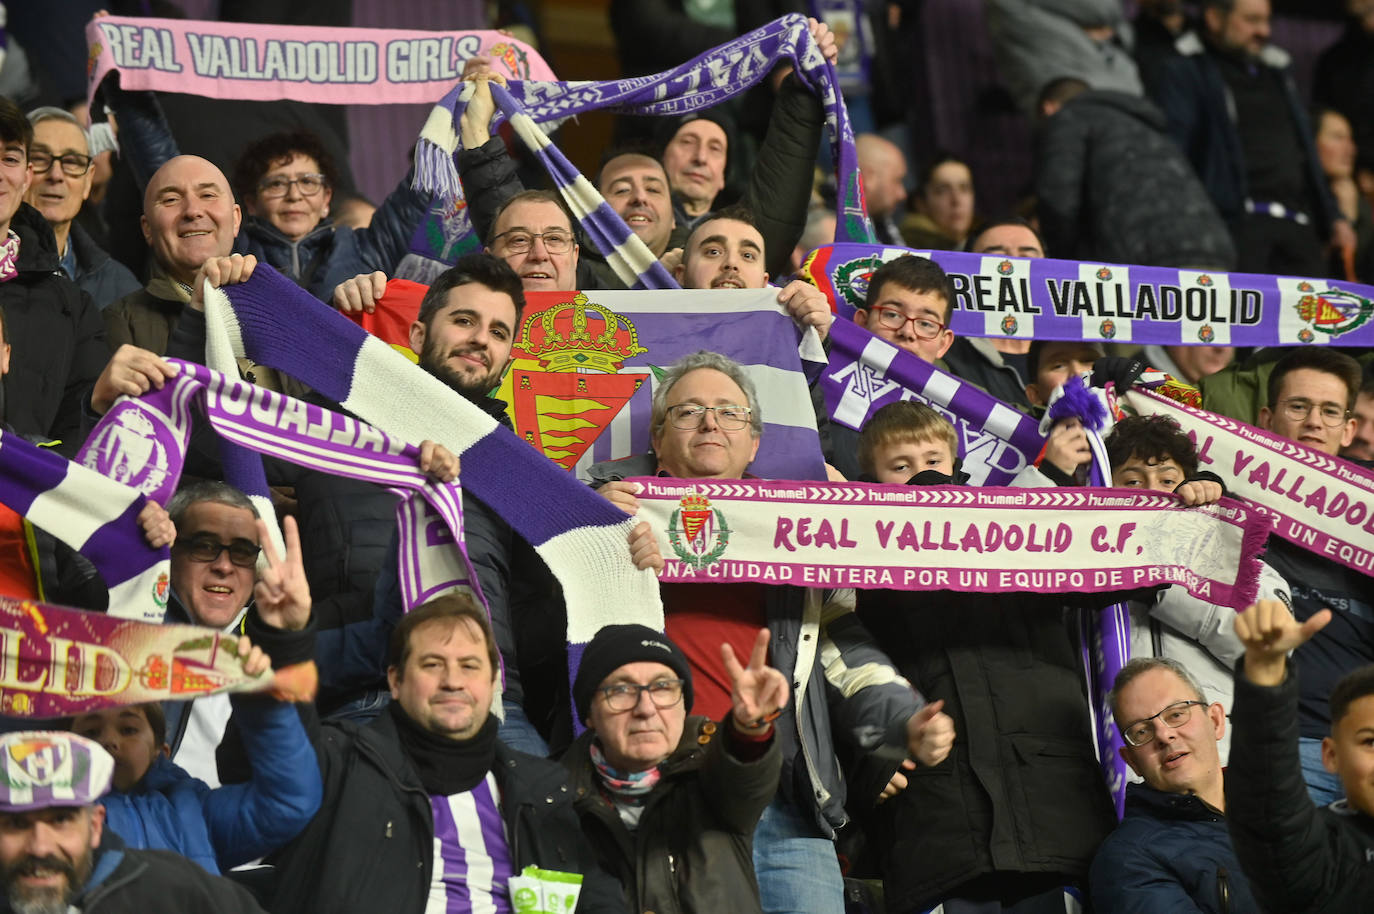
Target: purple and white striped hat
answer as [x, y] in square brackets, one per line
[39, 769]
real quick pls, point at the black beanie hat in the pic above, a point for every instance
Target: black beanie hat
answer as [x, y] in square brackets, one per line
[616, 645]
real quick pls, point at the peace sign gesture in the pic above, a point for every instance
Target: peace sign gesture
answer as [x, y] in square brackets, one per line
[282, 593]
[758, 692]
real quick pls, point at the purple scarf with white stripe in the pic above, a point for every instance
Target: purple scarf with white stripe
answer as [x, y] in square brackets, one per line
[702, 82]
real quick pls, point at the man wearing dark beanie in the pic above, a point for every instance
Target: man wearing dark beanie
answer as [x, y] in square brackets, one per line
[666, 799]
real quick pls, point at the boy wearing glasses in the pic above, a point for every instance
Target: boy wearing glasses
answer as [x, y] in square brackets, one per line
[1310, 399]
[663, 797]
[1171, 852]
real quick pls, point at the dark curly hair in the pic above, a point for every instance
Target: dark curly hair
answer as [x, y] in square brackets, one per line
[275, 149]
[1151, 437]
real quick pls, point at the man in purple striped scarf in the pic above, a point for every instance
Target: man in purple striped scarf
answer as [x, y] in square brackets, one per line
[425, 810]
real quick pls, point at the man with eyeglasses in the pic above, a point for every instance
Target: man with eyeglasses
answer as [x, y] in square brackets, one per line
[54, 328]
[533, 234]
[62, 175]
[1310, 399]
[1172, 851]
[214, 568]
[706, 423]
[651, 780]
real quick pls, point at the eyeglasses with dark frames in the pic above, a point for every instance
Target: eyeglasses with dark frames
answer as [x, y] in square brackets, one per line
[923, 327]
[518, 241]
[74, 164]
[624, 696]
[207, 549]
[309, 185]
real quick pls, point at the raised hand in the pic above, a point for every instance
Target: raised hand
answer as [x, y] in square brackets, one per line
[131, 371]
[930, 734]
[807, 305]
[221, 271]
[622, 494]
[1067, 447]
[438, 462]
[758, 693]
[1269, 631]
[255, 662]
[359, 293]
[644, 548]
[1199, 492]
[156, 525]
[282, 594]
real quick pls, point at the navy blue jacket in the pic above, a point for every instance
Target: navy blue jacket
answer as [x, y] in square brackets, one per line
[230, 825]
[1170, 853]
[94, 271]
[1198, 106]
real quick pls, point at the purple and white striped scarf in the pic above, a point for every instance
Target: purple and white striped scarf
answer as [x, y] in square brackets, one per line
[93, 513]
[1105, 639]
[580, 535]
[702, 82]
[253, 419]
[472, 862]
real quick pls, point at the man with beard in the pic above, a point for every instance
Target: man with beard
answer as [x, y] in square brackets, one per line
[56, 855]
[464, 334]
[1233, 108]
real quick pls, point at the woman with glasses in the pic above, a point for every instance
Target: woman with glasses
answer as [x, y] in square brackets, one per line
[669, 801]
[285, 182]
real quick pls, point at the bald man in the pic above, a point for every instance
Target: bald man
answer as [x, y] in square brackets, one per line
[883, 168]
[189, 216]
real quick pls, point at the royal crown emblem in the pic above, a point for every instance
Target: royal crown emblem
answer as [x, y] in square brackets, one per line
[579, 335]
[1009, 325]
[1333, 312]
[1005, 268]
[697, 532]
[1206, 333]
[1107, 328]
[1104, 274]
[1204, 280]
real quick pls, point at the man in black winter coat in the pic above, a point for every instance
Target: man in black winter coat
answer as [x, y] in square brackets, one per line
[57, 855]
[425, 802]
[58, 338]
[1113, 187]
[1300, 858]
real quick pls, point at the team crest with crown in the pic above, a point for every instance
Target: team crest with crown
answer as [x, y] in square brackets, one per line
[697, 532]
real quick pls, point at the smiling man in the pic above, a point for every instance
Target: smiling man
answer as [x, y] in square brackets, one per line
[427, 809]
[533, 234]
[62, 176]
[189, 216]
[648, 776]
[706, 423]
[57, 856]
[214, 568]
[1172, 851]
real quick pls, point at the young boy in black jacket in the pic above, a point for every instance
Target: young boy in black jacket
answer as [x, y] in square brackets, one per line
[1299, 858]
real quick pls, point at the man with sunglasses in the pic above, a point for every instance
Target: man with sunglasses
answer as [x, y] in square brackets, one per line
[1311, 396]
[214, 568]
[1172, 851]
[61, 163]
[651, 780]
